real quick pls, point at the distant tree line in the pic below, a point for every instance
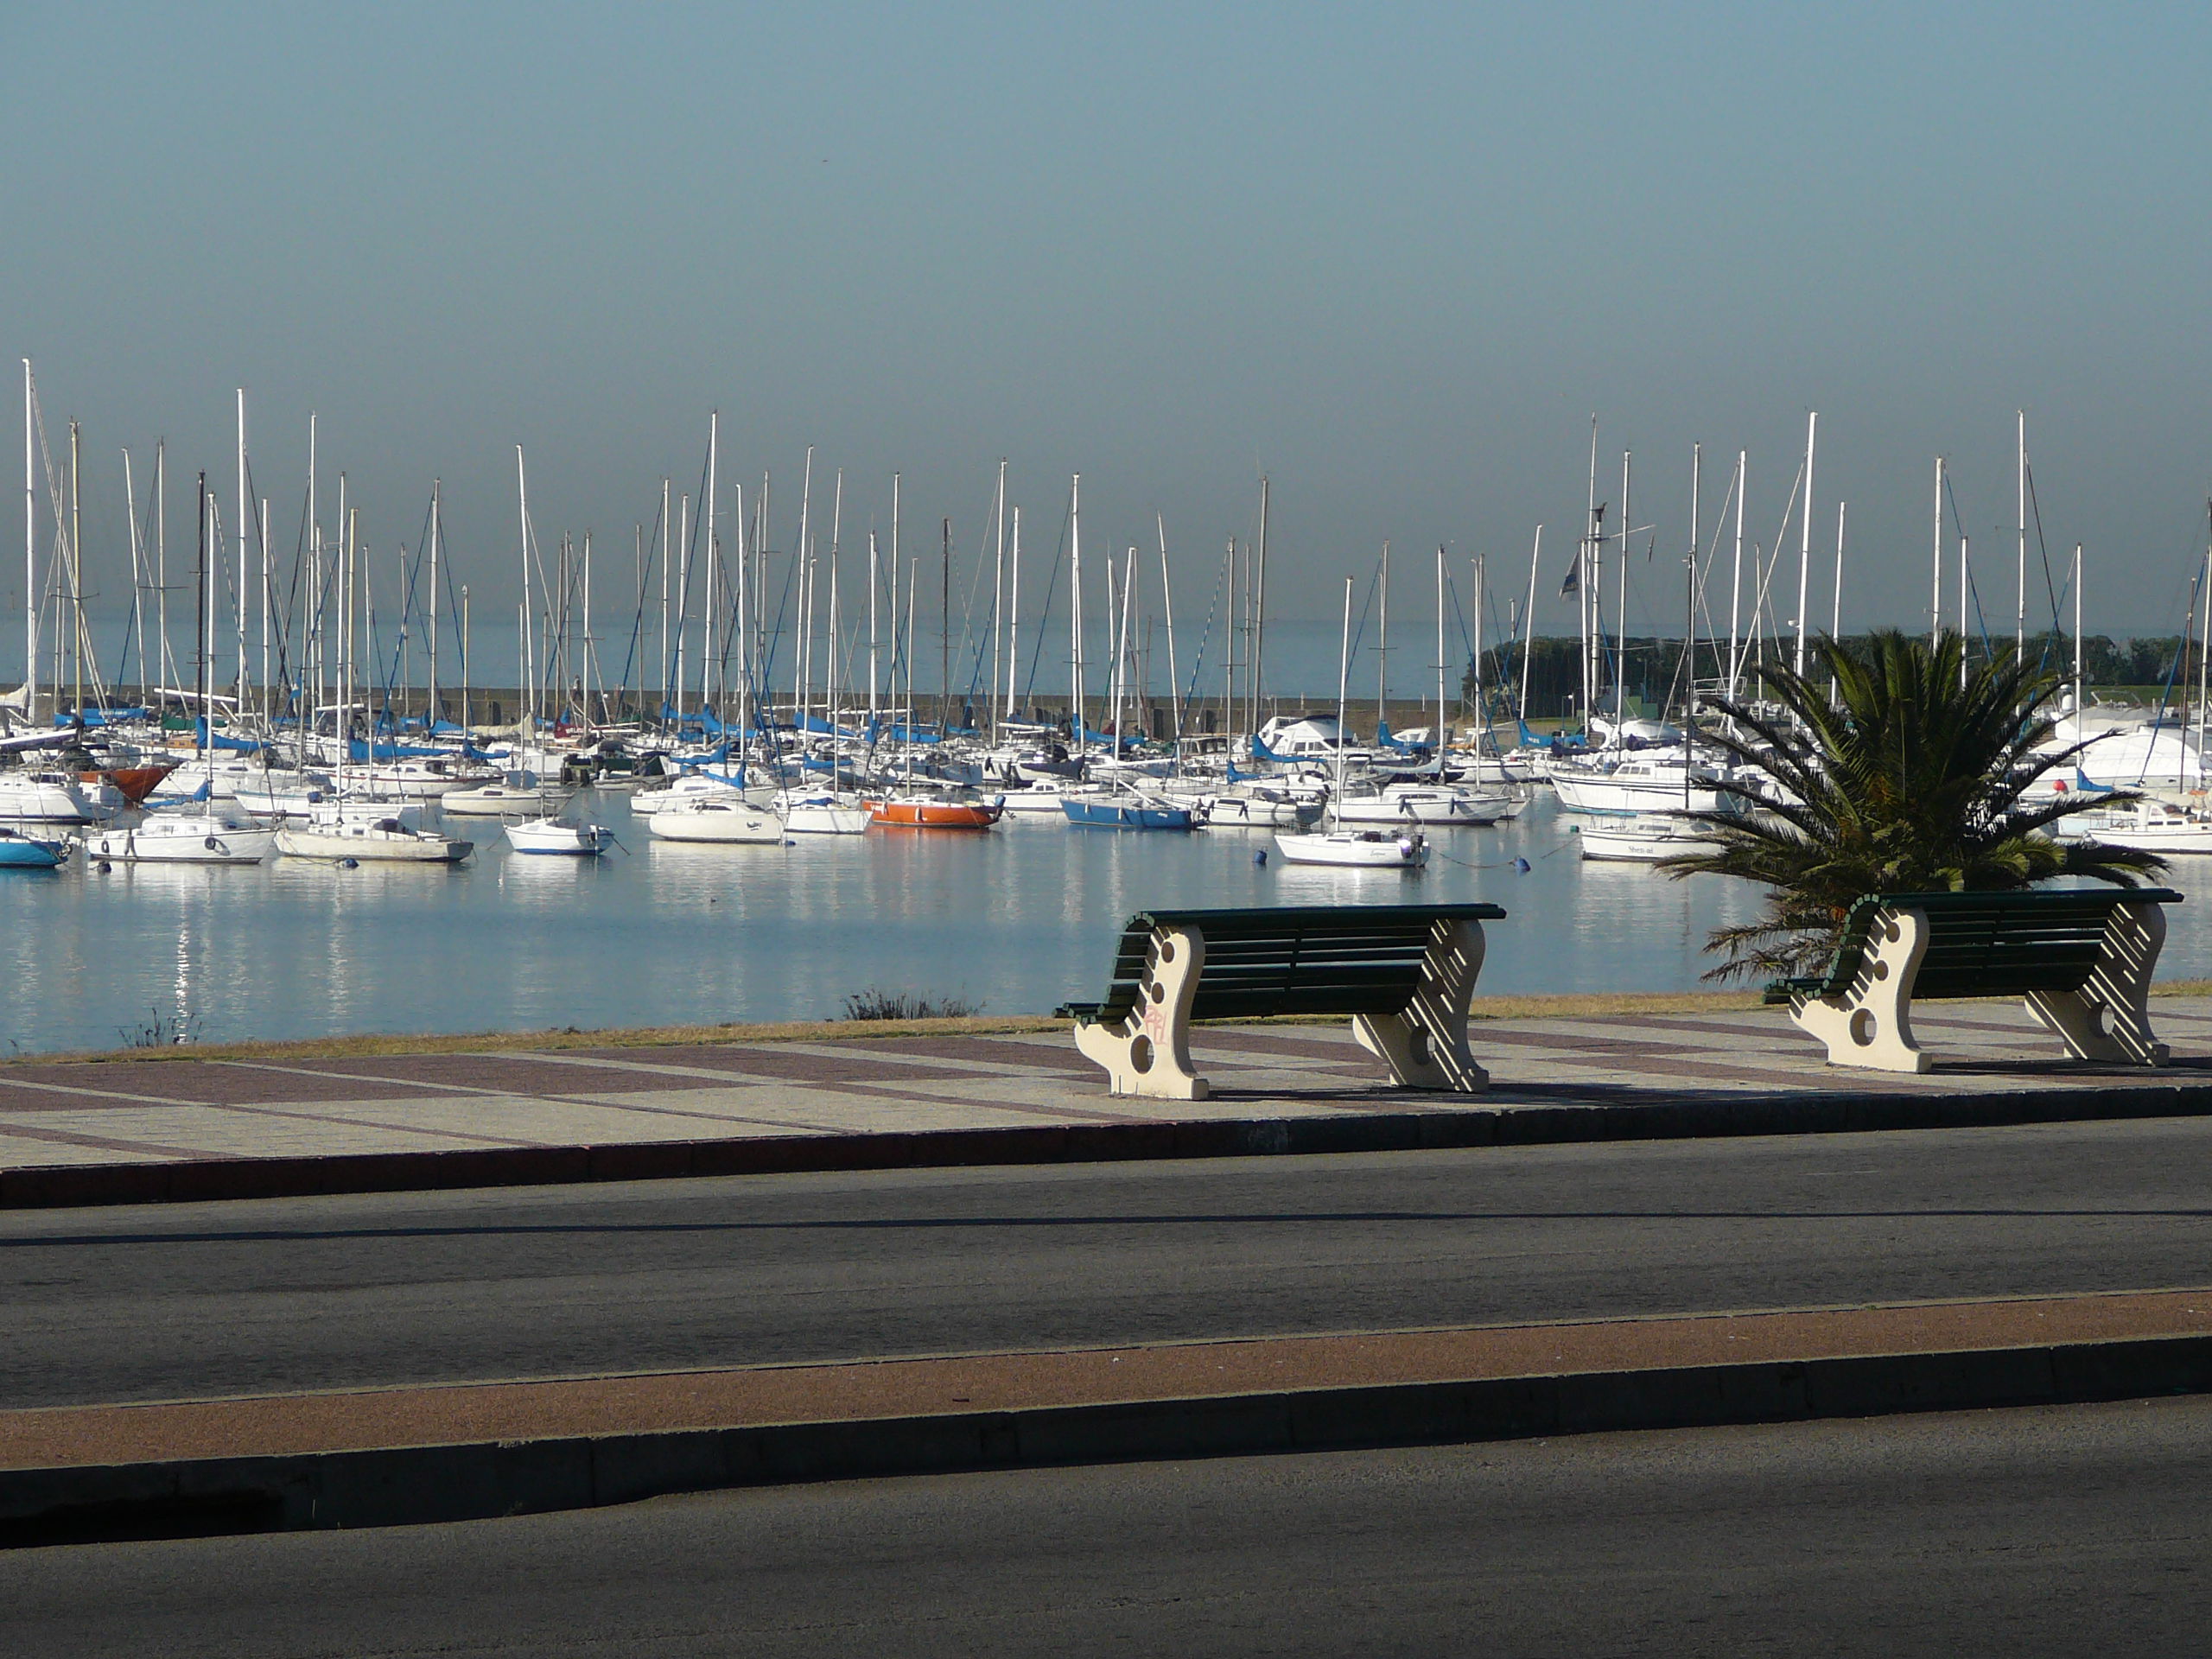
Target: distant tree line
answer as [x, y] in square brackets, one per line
[1652, 668]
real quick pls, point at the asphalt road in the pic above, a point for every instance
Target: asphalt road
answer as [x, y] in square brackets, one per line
[2070, 1531]
[159, 1302]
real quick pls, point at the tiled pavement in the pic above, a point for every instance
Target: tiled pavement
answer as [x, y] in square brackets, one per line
[156, 1111]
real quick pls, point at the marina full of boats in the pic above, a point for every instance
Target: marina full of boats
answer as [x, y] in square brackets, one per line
[1305, 787]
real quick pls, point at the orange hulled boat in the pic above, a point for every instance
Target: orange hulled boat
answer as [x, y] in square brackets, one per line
[919, 810]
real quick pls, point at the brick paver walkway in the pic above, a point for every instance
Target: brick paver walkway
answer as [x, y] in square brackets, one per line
[155, 1112]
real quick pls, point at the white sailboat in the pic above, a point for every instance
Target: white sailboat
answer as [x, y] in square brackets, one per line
[822, 813]
[183, 838]
[552, 838]
[519, 794]
[1643, 839]
[333, 832]
[717, 819]
[1356, 849]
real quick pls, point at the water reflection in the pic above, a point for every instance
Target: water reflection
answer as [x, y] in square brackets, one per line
[1018, 920]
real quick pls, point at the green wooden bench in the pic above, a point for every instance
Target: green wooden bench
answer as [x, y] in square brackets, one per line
[1404, 973]
[2079, 957]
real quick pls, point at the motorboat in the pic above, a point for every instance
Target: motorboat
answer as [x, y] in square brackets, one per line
[22, 850]
[183, 838]
[2147, 826]
[551, 837]
[1644, 839]
[44, 798]
[1641, 783]
[1370, 849]
[385, 840]
[717, 819]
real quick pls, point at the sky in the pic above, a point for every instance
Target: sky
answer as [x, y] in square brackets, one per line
[1393, 257]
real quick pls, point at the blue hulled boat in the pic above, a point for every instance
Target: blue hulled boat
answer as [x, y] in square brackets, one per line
[19, 851]
[1123, 812]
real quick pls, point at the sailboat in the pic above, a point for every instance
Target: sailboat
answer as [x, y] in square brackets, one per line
[202, 837]
[1404, 849]
[332, 832]
[21, 850]
[551, 836]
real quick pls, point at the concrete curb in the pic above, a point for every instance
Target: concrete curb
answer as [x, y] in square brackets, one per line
[64, 1185]
[413, 1485]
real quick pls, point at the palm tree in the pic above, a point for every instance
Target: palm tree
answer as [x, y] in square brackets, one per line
[1915, 778]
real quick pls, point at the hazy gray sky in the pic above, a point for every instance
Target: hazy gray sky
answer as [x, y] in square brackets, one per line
[1395, 256]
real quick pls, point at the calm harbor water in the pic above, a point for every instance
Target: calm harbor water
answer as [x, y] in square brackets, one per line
[1017, 921]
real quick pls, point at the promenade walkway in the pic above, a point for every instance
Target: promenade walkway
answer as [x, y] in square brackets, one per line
[1739, 1067]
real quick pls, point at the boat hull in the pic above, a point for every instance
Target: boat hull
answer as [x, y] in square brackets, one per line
[19, 852]
[1124, 814]
[367, 843]
[1356, 850]
[182, 842]
[546, 839]
[728, 823]
[936, 815]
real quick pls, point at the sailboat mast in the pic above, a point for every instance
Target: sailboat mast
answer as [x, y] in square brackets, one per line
[1805, 538]
[1382, 648]
[164, 666]
[1936, 584]
[1075, 606]
[137, 573]
[529, 728]
[895, 635]
[1585, 588]
[1735, 583]
[1835, 611]
[667, 537]
[30, 556]
[1482, 708]
[1260, 609]
[1167, 604]
[77, 577]
[1343, 689]
[1620, 622]
[243, 521]
[267, 614]
[199, 632]
[944, 628]
[998, 596]
[874, 578]
[713, 491]
[1529, 620]
[2020, 589]
[1440, 665]
[1689, 629]
[430, 692]
[1014, 617]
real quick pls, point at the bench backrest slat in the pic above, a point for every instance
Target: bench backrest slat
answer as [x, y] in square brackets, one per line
[1293, 959]
[1994, 943]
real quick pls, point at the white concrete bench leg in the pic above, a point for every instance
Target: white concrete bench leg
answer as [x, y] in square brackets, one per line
[1870, 1026]
[1426, 1047]
[2119, 992]
[1149, 1052]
